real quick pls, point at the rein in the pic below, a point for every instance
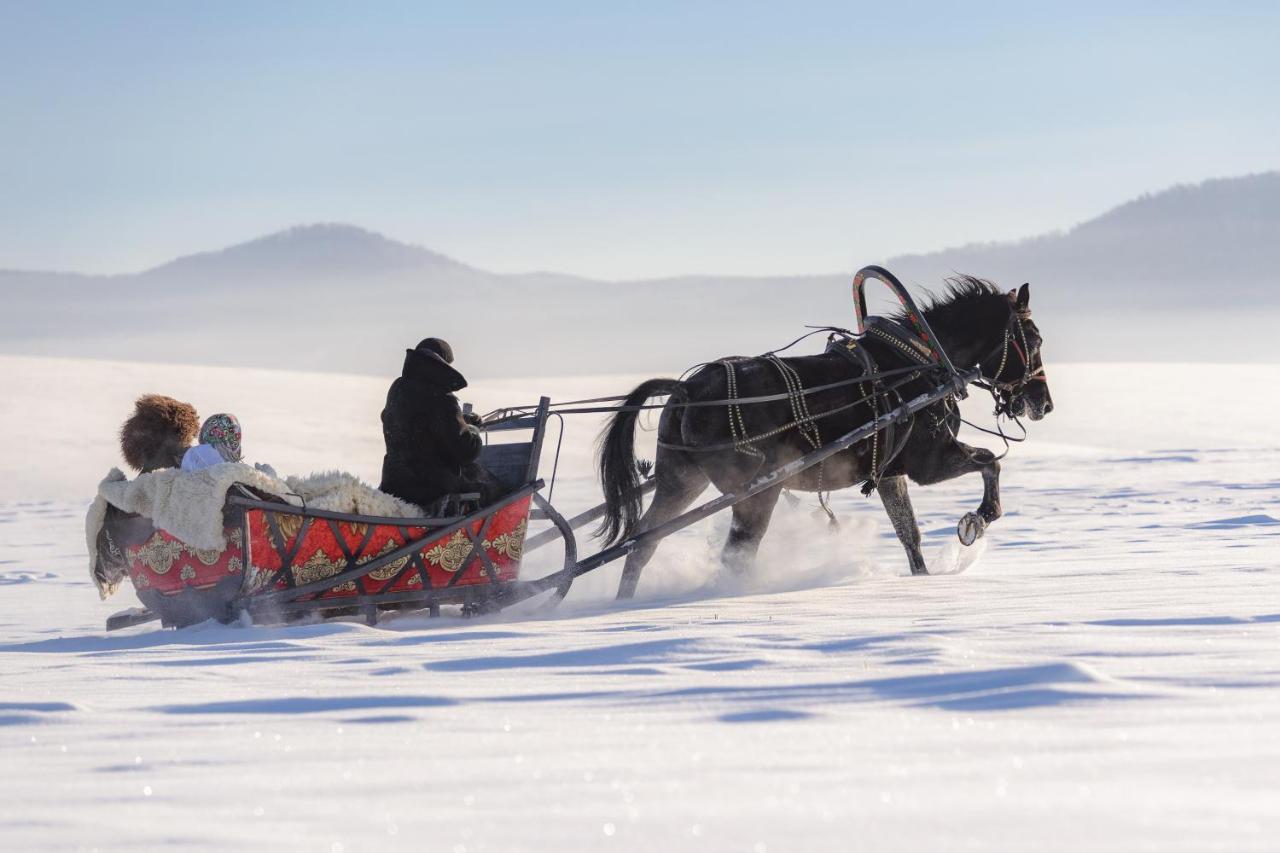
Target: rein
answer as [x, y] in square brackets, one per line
[844, 407]
[580, 407]
[1002, 391]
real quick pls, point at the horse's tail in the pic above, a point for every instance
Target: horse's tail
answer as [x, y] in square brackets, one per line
[616, 457]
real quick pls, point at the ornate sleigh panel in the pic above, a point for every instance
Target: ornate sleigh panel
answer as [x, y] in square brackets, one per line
[167, 565]
[182, 584]
[330, 563]
[318, 562]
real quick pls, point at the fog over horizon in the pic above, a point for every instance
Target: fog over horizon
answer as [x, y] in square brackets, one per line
[1185, 273]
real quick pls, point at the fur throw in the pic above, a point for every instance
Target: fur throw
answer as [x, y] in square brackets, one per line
[158, 432]
[338, 491]
[188, 505]
[107, 575]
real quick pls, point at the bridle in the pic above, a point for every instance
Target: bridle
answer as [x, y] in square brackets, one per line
[1003, 391]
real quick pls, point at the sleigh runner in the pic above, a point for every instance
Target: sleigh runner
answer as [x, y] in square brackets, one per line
[283, 562]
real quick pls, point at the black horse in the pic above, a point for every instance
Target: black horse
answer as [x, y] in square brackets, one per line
[727, 445]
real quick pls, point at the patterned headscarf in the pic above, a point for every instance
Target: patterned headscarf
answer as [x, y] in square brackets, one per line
[222, 431]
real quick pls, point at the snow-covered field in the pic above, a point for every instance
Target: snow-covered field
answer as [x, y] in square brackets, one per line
[1101, 673]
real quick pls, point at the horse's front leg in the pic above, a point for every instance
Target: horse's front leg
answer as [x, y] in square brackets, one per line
[990, 508]
[897, 503]
[956, 460]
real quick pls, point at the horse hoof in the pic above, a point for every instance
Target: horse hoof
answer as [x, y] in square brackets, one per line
[970, 528]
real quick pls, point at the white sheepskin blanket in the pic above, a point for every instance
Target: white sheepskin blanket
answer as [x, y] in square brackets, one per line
[189, 505]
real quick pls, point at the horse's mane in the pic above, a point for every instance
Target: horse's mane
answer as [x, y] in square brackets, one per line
[962, 297]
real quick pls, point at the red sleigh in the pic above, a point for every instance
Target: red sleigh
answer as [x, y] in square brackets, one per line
[283, 562]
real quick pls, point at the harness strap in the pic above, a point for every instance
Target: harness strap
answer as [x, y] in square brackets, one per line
[805, 425]
[903, 341]
[1014, 338]
[572, 407]
[886, 444]
[737, 427]
[883, 451]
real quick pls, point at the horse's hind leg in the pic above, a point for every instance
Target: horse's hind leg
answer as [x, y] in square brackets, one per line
[750, 521]
[679, 483]
[893, 493]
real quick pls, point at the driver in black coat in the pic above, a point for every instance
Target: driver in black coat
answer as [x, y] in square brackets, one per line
[431, 449]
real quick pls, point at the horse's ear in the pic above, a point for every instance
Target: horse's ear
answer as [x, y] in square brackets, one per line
[1023, 300]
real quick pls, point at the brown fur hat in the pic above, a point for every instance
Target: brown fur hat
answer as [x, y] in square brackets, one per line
[158, 433]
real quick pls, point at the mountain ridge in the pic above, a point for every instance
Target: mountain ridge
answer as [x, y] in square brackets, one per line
[314, 247]
[331, 296]
[324, 248]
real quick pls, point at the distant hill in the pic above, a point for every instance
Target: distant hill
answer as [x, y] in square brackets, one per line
[326, 250]
[1188, 273]
[1218, 241]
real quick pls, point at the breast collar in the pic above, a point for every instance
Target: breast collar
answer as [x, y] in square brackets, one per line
[900, 341]
[900, 338]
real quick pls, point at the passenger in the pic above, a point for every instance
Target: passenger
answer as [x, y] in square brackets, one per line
[219, 442]
[158, 433]
[431, 448]
[155, 437]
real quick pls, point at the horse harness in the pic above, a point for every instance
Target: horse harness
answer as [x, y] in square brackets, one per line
[917, 353]
[880, 398]
[883, 397]
[803, 421]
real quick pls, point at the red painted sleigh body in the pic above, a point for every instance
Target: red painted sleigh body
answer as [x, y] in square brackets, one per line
[282, 562]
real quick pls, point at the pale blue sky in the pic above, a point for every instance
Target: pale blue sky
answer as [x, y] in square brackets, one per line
[611, 139]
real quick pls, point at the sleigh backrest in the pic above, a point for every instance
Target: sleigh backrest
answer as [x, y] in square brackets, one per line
[515, 463]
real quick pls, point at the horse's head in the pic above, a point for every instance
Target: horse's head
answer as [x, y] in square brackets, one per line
[1015, 367]
[978, 324]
